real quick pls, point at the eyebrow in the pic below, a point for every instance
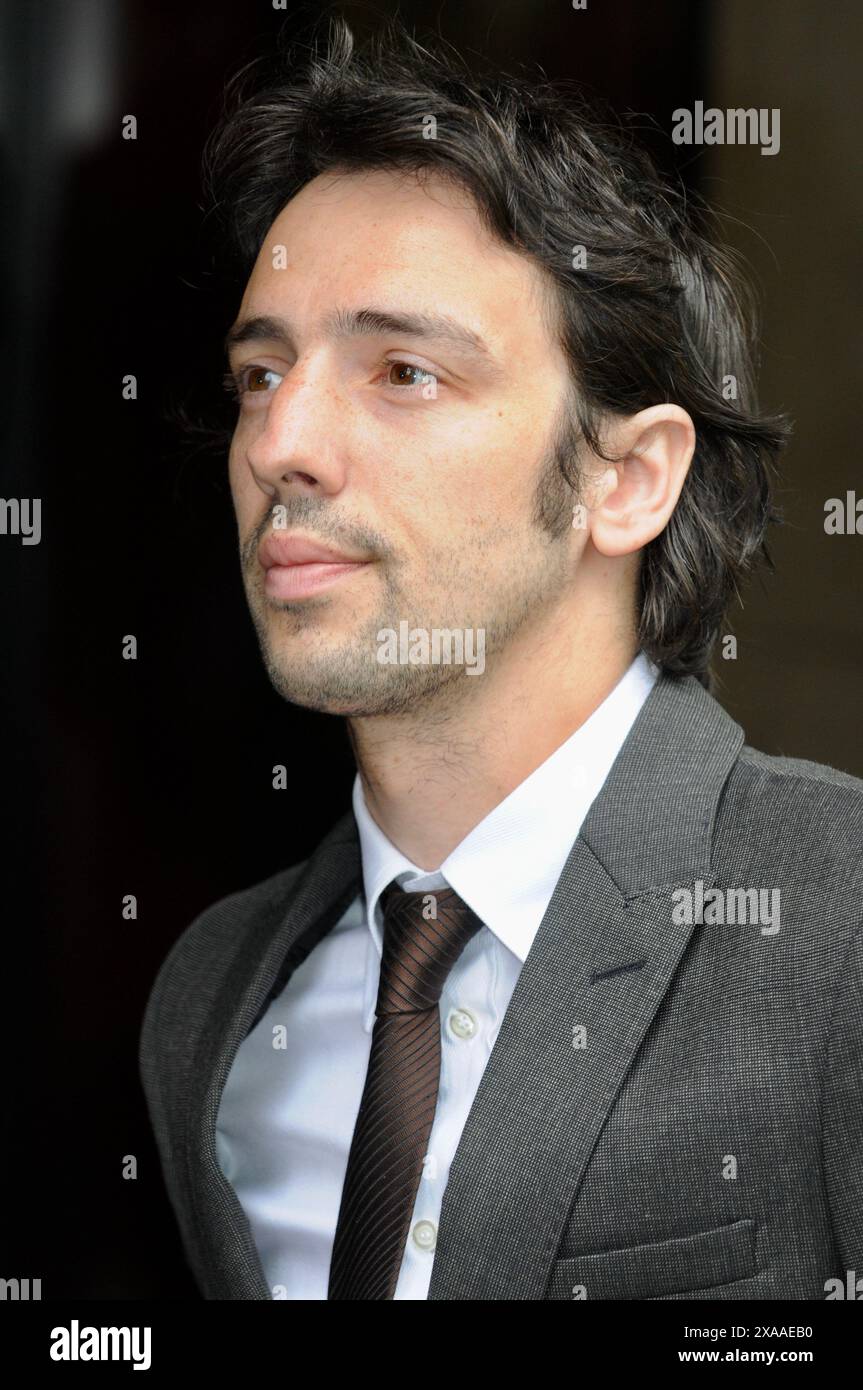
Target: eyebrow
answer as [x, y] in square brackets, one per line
[368, 322]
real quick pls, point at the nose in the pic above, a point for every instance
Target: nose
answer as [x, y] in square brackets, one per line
[298, 439]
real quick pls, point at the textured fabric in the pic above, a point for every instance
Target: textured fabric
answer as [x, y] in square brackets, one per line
[424, 935]
[703, 1139]
[284, 1152]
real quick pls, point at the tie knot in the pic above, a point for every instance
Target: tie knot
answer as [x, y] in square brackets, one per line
[424, 935]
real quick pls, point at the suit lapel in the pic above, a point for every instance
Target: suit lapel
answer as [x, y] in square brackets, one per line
[601, 962]
[266, 955]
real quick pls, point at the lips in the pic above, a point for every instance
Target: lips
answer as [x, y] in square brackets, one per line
[297, 550]
[296, 567]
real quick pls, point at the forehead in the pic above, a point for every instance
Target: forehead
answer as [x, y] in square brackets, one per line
[411, 244]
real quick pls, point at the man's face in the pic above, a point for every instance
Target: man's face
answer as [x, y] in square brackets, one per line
[423, 453]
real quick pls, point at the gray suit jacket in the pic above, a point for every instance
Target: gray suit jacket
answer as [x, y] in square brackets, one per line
[704, 1139]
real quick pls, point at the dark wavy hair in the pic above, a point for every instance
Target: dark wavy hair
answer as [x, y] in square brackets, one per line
[659, 312]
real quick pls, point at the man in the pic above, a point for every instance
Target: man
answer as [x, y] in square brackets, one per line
[568, 1004]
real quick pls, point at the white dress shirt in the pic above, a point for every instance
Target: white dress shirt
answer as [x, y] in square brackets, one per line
[287, 1114]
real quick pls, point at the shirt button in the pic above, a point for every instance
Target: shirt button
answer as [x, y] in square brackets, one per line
[425, 1235]
[462, 1023]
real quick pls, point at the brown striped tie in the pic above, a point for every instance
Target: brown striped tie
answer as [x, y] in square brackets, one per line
[424, 935]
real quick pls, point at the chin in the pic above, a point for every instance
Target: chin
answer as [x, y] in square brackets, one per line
[298, 683]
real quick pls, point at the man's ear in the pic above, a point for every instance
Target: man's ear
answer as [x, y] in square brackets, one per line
[631, 501]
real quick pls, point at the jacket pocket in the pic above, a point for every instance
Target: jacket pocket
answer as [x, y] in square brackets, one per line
[701, 1261]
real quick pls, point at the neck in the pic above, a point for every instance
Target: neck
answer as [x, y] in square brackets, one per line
[432, 774]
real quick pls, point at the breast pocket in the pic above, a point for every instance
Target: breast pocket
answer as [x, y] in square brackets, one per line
[690, 1263]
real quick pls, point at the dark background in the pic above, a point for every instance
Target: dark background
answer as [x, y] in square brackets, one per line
[153, 776]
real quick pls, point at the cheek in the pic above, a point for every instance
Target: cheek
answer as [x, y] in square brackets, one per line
[472, 500]
[244, 490]
[248, 500]
[234, 456]
[472, 468]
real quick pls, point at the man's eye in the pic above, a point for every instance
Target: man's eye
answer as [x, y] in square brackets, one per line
[256, 378]
[251, 381]
[408, 374]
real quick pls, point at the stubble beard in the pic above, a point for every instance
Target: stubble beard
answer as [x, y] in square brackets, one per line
[344, 676]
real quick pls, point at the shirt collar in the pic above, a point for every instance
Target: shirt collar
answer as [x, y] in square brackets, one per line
[507, 867]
